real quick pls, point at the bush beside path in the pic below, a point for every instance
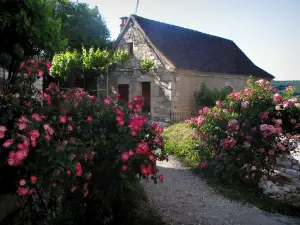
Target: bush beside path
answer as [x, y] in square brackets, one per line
[184, 198]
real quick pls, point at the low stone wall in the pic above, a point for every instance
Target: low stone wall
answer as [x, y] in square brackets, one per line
[290, 164]
[288, 192]
[288, 168]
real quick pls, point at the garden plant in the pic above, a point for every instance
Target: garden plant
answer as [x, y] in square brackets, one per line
[240, 137]
[71, 159]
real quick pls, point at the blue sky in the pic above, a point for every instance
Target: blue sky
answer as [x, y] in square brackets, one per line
[268, 31]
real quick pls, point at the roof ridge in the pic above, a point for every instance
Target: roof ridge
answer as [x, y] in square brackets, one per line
[176, 26]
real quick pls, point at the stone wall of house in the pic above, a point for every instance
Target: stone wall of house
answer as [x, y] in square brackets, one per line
[130, 73]
[190, 81]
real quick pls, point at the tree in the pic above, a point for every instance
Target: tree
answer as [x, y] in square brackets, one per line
[28, 28]
[82, 26]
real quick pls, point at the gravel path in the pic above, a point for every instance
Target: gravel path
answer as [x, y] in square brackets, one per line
[185, 199]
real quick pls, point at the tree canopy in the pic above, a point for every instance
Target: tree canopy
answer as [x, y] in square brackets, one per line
[28, 28]
[82, 26]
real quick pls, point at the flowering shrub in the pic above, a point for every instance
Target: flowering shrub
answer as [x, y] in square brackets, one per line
[69, 156]
[241, 136]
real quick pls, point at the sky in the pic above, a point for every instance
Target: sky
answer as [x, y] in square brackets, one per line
[268, 31]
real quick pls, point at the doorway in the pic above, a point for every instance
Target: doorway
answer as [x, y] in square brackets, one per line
[123, 90]
[146, 93]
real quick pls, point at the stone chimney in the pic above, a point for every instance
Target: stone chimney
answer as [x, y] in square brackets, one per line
[123, 22]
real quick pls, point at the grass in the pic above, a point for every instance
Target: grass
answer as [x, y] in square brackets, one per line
[179, 143]
[178, 131]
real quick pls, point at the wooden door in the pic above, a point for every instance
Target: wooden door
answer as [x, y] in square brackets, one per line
[146, 93]
[123, 90]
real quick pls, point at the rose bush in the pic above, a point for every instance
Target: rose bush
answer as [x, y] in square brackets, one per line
[70, 158]
[241, 137]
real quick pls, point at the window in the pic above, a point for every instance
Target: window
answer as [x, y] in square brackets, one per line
[129, 47]
[228, 88]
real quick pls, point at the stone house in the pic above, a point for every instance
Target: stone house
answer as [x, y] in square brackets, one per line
[183, 60]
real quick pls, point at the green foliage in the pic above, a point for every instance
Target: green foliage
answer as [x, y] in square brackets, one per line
[66, 63]
[241, 136]
[208, 97]
[82, 26]
[70, 63]
[147, 64]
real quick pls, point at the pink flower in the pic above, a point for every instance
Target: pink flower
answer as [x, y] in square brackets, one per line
[33, 179]
[10, 161]
[69, 172]
[204, 165]
[37, 117]
[293, 121]
[121, 123]
[53, 185]
[262, 150]
[125, 156]
[244, 104]
[265, 115]
[206, 110]
[281, 147]
[73, 188]
[20, 155]
[131, 153]
[62, 119]
[260, 82]
[277, 107]
[22, 182]
[2, 129]
[286, 104]
[293, 100]
[22, 65]
[161, 178]
[49, 65]
[69, 118]
[290, 88]
[124, 167]
[34, 134]
[22, 126]
[276, 97]
[232, 123]
[40, 73]
[271, 152]
[107, 101]
[297, 105]
[22, 191]
[8, 143]
[70, 128]
[89, 176]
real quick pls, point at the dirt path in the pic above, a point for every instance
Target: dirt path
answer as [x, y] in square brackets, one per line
[185, 199]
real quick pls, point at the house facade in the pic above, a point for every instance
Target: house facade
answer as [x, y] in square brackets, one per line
[183, 59]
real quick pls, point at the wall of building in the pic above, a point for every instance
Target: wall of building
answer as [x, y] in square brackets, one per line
[130, 73]
[190, 81]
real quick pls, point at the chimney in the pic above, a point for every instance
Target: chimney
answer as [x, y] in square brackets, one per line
[123, 22]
